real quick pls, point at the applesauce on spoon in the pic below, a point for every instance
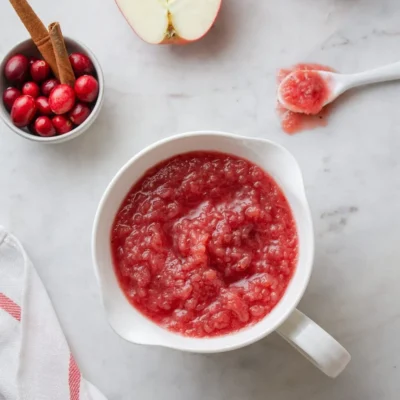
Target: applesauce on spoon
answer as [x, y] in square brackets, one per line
[204, 244]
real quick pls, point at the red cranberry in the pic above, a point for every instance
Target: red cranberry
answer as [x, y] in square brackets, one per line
[40, 70]
[62, 99]
[16, 69]
[81, 64]
[31, 89]
[44, 126]
[86, 88]
[23, 111]
[9, 96]
[79, 113]
[42, 105]
[62, 124]
[48, 86]
[31, 60]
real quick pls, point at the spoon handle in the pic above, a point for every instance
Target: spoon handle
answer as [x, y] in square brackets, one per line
[386, 73]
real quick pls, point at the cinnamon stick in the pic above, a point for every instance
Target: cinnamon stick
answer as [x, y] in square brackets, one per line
[37, 31]
[60, 51]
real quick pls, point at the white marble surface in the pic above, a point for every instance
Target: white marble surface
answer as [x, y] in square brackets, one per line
[48, 195]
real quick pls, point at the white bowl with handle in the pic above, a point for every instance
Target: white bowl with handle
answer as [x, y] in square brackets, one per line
[304, 334]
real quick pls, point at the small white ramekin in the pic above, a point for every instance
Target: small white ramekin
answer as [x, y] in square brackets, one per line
[28, 48]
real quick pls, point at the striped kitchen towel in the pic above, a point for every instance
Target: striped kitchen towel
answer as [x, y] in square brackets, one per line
[35, 360]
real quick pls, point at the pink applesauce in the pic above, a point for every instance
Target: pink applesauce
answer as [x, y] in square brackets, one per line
[204, 244]
[309, 93]
[306, 91]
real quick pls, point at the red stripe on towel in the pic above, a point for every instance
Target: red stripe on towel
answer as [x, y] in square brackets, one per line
[74, 379]
[10, 307]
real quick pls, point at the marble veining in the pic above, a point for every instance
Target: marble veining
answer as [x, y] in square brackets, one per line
[351, 168]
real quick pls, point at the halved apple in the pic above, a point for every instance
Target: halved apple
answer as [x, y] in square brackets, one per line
[170, 21]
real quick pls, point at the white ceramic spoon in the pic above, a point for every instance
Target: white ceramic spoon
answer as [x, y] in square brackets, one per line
[339, 83]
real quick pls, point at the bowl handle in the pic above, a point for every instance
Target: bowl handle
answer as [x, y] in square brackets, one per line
[315, 344]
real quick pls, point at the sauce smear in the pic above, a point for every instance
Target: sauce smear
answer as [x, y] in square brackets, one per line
[204, 244]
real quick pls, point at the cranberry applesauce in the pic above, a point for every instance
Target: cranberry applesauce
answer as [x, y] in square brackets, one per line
[204, 244]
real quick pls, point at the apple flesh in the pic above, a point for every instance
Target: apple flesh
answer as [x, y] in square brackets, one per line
[170, 21]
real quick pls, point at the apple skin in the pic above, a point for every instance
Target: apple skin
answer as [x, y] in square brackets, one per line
[175, 40]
